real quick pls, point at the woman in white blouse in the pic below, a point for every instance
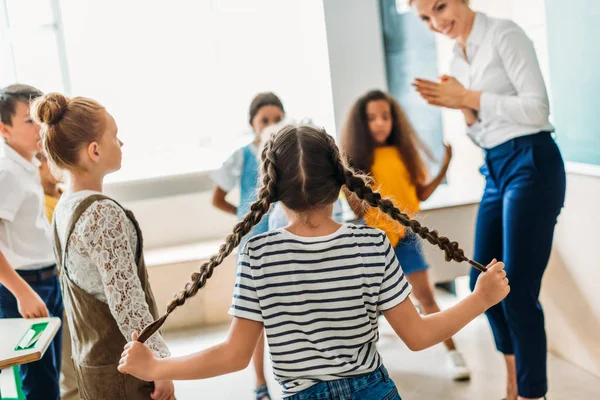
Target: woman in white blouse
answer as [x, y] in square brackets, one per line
[497, 84]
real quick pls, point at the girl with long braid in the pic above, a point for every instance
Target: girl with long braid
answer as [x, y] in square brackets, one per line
[316, 286]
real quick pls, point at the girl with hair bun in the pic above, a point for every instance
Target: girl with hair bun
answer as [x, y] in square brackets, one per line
[98, 247]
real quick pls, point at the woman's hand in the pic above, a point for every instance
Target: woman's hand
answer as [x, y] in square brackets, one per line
[447, 93]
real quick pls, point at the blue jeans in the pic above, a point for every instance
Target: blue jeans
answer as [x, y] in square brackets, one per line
[374, 386]
[409, 253]
[524, 194]
[40, 378]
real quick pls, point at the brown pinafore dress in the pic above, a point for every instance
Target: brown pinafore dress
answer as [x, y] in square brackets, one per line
[96, 339]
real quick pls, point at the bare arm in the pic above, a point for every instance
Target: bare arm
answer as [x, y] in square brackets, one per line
[425, 190]
[234, 354]
[419, 333]
[221, 203]
[355, 204]
[29, 302]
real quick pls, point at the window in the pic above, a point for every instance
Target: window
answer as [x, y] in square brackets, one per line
[410, 52]
[31, 46]
[177, 76]
[574, 60]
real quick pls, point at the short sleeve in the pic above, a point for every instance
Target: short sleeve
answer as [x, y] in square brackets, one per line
[12, 195]
[394, 287]
[245, 297]
[228, 175]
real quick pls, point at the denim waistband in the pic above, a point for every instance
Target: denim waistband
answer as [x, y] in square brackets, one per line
[513, 144]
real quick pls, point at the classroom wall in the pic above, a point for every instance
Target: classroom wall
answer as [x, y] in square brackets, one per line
[356, 56]
[574, 60]
[357, 64]
[572, 304]
[570, 292]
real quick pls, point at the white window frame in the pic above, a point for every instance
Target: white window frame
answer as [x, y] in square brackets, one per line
[56, 27]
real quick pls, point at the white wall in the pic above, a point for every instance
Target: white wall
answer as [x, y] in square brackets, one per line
[356, 57]
[570, 294]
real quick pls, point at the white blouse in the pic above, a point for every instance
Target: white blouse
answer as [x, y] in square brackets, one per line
[501, 63]
[101, 261]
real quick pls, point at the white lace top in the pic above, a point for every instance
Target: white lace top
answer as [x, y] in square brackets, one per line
[101, 261]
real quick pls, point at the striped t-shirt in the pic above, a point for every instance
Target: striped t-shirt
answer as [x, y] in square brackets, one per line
[318, 299]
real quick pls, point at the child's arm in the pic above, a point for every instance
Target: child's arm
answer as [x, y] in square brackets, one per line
[424, 190]
[419, 333]
[221, 203]
[356, 205]
[30, 304]
[226, 179]
[102, 232]
[234, 354]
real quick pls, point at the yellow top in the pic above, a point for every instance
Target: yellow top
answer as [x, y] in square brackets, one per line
[49, 205]
[392, 179]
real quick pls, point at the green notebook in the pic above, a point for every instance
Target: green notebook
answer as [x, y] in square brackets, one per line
[31, 337]
[10, 384]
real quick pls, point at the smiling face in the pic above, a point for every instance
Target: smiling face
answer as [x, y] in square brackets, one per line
[451, 18]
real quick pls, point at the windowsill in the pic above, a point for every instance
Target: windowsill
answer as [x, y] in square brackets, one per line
[582, 169]
[164, 186]
[446, 196]
[194, 182]
[183, 253]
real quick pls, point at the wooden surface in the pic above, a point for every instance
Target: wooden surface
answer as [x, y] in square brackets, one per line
[11, 332]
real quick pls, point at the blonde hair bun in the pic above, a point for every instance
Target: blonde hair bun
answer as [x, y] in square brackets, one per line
[49, 109]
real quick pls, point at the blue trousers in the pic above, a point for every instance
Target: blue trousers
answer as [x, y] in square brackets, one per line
[41, 378]
[524, 194]
[374, 386]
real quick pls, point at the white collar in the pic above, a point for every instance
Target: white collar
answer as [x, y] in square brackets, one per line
[477, 34]
[8, 152]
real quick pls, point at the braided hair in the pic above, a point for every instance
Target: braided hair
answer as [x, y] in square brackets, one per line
[303, 168]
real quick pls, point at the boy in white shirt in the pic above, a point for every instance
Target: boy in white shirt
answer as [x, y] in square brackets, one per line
[29, 286]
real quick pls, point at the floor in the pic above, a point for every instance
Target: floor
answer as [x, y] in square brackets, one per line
[419, 376]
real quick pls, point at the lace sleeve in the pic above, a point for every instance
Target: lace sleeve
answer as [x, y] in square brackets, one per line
[111, 252]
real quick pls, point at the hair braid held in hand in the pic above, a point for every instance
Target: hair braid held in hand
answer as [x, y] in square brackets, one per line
[266, 196]
[303, 169]
[357, 184]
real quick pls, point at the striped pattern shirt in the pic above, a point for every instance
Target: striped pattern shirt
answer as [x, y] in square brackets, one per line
[318, 299]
